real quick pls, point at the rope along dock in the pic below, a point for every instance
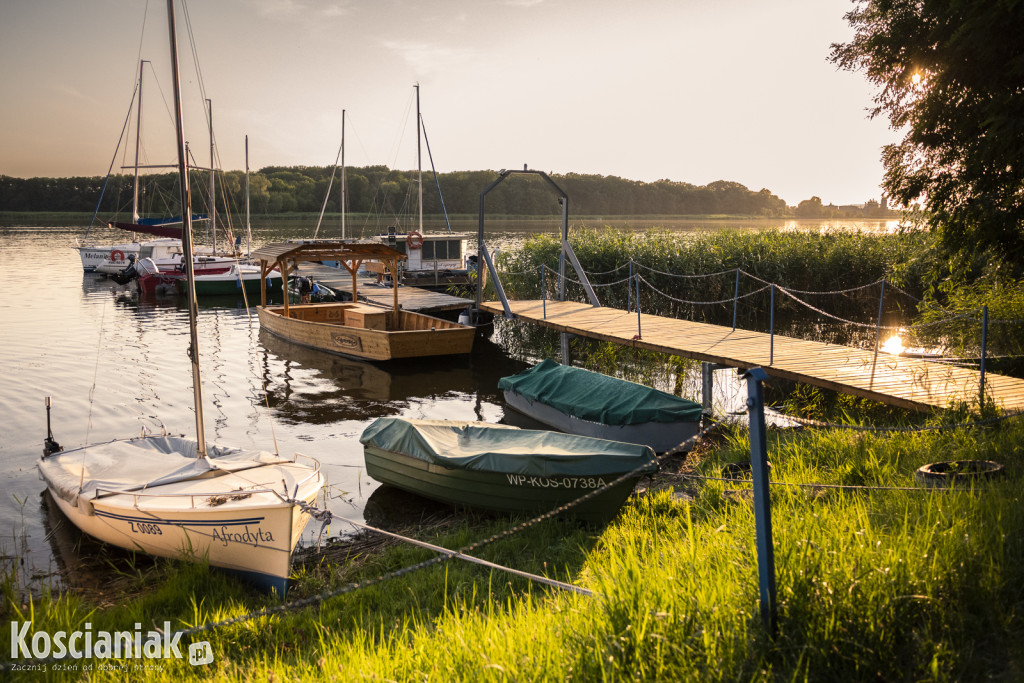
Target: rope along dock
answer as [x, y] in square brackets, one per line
[914, 383]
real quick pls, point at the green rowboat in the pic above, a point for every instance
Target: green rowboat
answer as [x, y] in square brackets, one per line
[502, 468]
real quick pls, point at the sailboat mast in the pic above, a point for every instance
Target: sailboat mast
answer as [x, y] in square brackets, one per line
[186, 238]
[343, 189]
[419, 154]
[330, 183]
[248, 227]
[138, 140]
[213, 195]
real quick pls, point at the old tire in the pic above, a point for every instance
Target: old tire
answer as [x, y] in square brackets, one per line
[960, 473]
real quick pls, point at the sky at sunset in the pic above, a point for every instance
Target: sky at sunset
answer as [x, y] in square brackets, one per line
[688, 90]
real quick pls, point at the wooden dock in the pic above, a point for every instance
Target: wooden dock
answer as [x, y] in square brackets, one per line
[907, 382]
[409, 298]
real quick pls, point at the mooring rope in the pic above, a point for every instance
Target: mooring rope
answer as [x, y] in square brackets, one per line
[469, 558]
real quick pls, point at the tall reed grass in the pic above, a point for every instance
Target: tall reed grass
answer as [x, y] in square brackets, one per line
[682, 271]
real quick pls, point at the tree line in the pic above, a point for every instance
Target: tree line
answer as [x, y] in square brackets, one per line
[384, 191]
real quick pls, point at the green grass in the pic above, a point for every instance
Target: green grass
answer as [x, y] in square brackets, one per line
[872, 584]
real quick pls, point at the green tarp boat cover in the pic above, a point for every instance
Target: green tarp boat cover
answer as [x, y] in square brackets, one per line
[598, 398]
[485, 447]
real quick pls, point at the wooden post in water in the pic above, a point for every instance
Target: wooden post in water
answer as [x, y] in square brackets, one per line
[707, 386]
[762, 499]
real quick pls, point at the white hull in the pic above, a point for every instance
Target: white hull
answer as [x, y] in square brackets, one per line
[661, 436]
[245, 521]
[94, 256]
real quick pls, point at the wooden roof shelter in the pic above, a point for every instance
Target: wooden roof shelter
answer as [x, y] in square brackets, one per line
[288, 255]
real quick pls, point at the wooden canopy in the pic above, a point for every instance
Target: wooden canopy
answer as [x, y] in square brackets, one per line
[287, 256]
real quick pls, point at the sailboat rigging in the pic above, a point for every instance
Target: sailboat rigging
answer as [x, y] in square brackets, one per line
[242, 510]
[434, 261]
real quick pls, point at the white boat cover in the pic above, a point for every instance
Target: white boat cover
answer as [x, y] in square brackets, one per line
[146, 266]
[140, 464]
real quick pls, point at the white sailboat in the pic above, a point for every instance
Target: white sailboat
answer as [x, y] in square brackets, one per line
[116, 258]
[95, 255]
[241, 510]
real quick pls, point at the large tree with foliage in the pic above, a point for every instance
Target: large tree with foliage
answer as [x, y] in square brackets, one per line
[950, 74]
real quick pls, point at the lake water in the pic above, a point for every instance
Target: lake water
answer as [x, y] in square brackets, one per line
[116, 365]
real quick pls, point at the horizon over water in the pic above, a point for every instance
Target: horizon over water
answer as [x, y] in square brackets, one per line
[116, 365]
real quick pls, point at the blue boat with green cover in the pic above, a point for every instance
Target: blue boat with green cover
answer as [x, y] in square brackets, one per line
[588, 403]
[503, 468]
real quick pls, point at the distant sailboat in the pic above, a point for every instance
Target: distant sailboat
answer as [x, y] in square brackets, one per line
[110, 259]
[242, 510]
[434, 260]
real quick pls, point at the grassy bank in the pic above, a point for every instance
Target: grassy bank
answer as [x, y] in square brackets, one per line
[878, 578]
[686, 263]
[876, 584]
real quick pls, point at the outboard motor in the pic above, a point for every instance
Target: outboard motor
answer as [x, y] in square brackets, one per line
[126, 275]
[50, 445]
[135, 270]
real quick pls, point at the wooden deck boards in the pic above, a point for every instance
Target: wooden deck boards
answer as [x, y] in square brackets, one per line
[908, 382]
[409, 298]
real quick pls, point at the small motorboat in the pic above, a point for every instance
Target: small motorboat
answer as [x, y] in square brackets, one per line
[588, 403]
[231, 281]
[503, 468]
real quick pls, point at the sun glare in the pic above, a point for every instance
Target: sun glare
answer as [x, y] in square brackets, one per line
[894, 345]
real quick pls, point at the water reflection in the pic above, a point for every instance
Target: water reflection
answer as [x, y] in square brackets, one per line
[308, 386]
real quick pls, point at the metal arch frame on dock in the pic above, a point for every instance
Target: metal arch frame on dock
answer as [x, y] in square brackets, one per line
[566, 250]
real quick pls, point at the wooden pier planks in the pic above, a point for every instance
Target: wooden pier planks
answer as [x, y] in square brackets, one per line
[409, 298]
[908, 382]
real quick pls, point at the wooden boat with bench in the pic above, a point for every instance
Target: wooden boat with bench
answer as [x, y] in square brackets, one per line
[352, 328]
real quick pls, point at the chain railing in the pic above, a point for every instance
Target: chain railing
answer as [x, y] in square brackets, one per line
[924, 335]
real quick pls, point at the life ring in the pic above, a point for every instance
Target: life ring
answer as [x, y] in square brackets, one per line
[117, 255]
[414, 240]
